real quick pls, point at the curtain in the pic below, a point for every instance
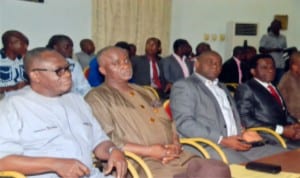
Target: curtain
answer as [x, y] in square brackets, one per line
[132, 21]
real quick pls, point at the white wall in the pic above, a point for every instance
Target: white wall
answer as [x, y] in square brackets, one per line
[39, 21]
[191, 19]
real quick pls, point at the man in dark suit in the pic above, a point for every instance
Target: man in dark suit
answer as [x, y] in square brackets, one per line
[234, 70]
[260, 103]
[178, 65]
[147, 69]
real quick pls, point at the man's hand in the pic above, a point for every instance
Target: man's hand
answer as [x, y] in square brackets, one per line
[251, 136]
[172, 152]
[292, 132]
[165, 153]
[236, 143]
[117, 160]
[70, 168]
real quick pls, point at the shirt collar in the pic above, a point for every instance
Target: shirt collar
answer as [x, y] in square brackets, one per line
[236, 60]
[265, 84]
[206, 81]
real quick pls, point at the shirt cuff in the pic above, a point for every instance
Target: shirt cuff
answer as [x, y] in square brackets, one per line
[279, 129]
[220, 139]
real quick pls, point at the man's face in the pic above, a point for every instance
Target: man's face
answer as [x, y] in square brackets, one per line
[53, 74]
[65, 48]
[88, 47]
[265, 70]
[17, 45]
[209, 66]
[152, 47]
[117, 65]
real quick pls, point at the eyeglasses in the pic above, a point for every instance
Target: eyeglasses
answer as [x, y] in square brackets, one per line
[59, 71]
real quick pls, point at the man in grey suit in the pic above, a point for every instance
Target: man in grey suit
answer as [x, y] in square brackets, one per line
[179, 64]
[203, 107]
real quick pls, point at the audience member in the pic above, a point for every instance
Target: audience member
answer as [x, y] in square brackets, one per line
[260, 103]
[64, 45]
[147, 70]
[202, 47]
[203, 107]
[95, 78]
[132, 52]
[87, 52]
[47, 131]
[177, 65]
[289, 86]
[274, 43]
[234, 69]
[11, 61]
[137, 122]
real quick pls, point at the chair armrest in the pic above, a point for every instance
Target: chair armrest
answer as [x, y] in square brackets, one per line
[140, 161]
[12, 174]
[132, 170]
[212, 145]
[271, 132]
[200, 148]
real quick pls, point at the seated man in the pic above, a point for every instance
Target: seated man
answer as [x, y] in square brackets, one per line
[260, 104]
[203, 107]
[136, 122]
[47, 131]
[11, 61]
[87, 52]
[289, 86]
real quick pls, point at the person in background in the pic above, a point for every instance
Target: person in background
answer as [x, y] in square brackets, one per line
[203, 107]
[12, 76]
[234, 69]
[132, 52]
[135, 121]
[274, 44]
[64, 45]
[47, 131]
[202, 47]
[147, 69]
[289, 86]
[260, 104]
[178, 65]
[87, 52]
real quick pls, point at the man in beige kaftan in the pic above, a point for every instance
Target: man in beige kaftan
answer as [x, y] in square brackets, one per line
[137, 122]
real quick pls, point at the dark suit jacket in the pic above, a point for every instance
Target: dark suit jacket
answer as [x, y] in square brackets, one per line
[141, 70]
[172, 70]
[230, 73]
[257, 107]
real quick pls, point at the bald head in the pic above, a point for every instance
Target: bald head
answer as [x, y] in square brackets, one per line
[35, 57]
[108, 53]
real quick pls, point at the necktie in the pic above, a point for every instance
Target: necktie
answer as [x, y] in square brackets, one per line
[274, 94]
[155, 74]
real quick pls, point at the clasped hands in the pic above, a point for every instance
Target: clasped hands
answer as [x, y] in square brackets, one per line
[165, 153]
[241, 142]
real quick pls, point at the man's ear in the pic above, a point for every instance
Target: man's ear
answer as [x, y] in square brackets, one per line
[102, 70]
[252, 71]
[34, 77]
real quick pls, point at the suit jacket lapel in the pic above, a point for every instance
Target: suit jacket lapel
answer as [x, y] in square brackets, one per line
[207, 92]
